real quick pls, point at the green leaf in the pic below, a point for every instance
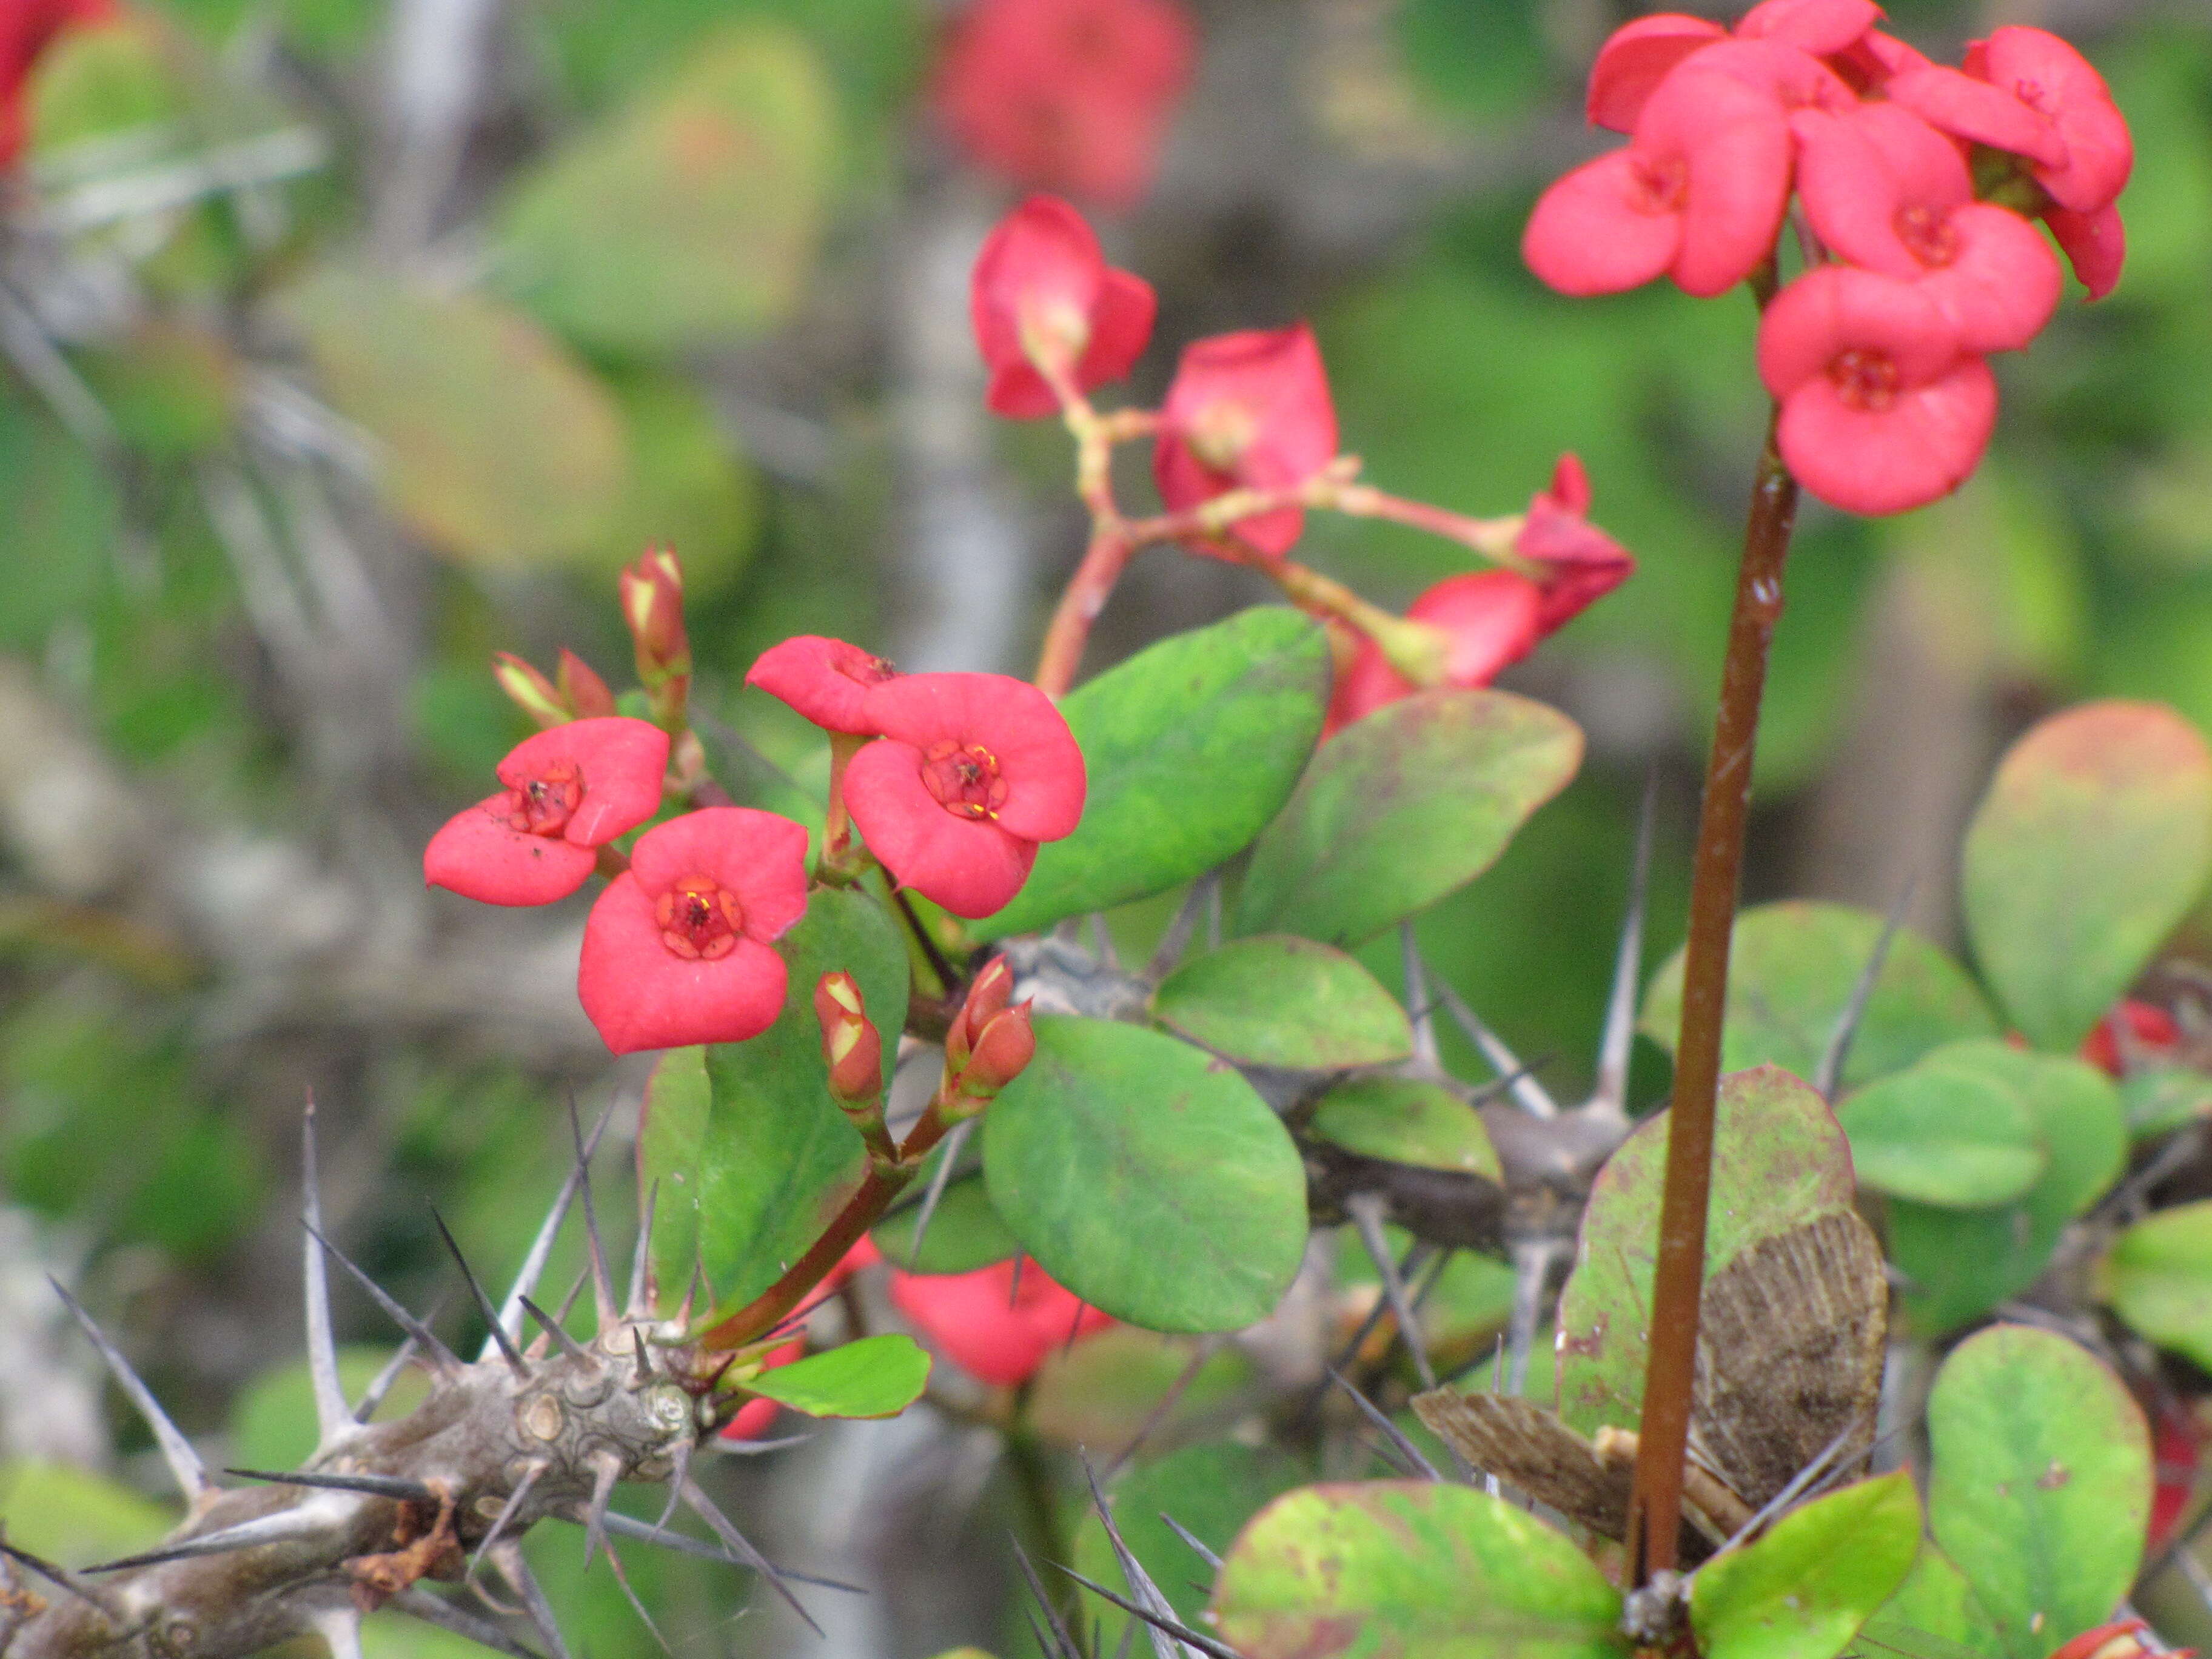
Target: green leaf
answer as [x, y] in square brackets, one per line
[1401, 808]
[773, 1158]
[1804, 1588]
[672, 1132]
[71, 1515]
[1277, 1000]
[874, 1376]
[1106, 1388]
[1403, 1121]
[2158, 1277]
[1791, 970]
[1190, 747]
[2158, 1099]
[2041, 1483]
[693, 215]
[966, 1233]
[1949, 1135]
[1147, 1178]
[2093, 840]
[1934, 1601]
[1411, 1569]
[1779, 1160]
[1959, 1264]
[495, 445]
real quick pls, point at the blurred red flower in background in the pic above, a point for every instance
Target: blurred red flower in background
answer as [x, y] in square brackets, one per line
[2128, 1034]
[28, 28]
[1247, 411]
[1042, 292]
[998, 1329]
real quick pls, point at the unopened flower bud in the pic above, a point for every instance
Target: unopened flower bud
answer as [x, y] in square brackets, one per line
[531, 691]
[1003, 1049]
[653, 605]
[851, 1045]
[2121, 1640]
[992, 990]
[582, 688]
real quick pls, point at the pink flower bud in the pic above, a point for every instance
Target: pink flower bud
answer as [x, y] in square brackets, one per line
[992, 990]
[530, 690]
[1003, 1049]
[582, 688]
[653, 605]
[851, 1045]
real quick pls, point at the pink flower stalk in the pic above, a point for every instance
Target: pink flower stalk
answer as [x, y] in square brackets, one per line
[678, 949]
[1882, 410]
[997, 1329]
[1247, 411]
[972, 772]
[1046, 305]
[826, 680]
[569, 790]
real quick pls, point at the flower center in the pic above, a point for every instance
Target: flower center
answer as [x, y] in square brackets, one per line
[1053, 331]
[1658, 186]
[1927, 232]
[964, 779]
[862, 667]
[699, 920]
[1864, 380]
[1221, 432]
[543, 805]
[2031, 94]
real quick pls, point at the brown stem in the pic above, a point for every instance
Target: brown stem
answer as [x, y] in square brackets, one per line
[1678, 1280]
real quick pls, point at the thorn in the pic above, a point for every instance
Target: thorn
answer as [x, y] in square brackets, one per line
[679, 1471]
[1829, 1073]
[91, 1594]
[1418, 1005]
[1531, 1277]
[628, 1526]
[1141, 1583]
[1181, 1632]
[1416, 1253]
[536, 1467]
[954, 1144]
[1366, 1210]
[482, 1298]
[341, 1628]
[1102, 942]
[418, 1603]
[541, 1248]
[1204, 1349]
[1528, 1094]
[621, 1577]
[1176, 939]
[703, 1507]
[1611, 1093]
[606, 1470]
[266, 1529]
[551, 1327]
[184, 1465]
[754, 1447]
[507, 1558]
[644, 1293]
[645, 1371]
[1197, 1545]
[682, 1317]
[380, 1385]
[333, 1420]
[377, 1486]
[1062, 1645]
[436, 1354]
[602, 1290]
[1407, 1451]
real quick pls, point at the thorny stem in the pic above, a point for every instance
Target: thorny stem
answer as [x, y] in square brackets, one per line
[1678, 1280]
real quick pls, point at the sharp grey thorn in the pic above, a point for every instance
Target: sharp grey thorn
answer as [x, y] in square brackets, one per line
[1419, 1010]
[341, 1628]
[1410, 1452]
[629, 1526]
[1133, 1570]
[1532, 1273]
[377, 1486]
[66, 1580]
[1366, 1210]
[1176, 939]
[551, 1326]
[955, 1143]
[1829, 1073]
[679, 1471]
[756, 1448]
[184, 1465]
[725, 1530]
[1611, 1093]
[515, 1500]
[644, 1294]
[333, 1419]
[1062, 1643]
[644, 1360]
[621, 1577]
[1416, 1253]
[1044, 1643]
[1102, 942]
[541, 1248]
[682, 1314]
[418, 1603]
[482, 1298]
[1196, 1544]
[265, 1529]
[1528, 1094]
[606, 1470]
[507, 1558]
[603, 1289]
[436, 1353]
[1181, 1632]
[380, 1385]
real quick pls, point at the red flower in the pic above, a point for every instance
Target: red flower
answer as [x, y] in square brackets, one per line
[1251, 410]
[2131, 1033]
[996, 1329]
[973, 771]
[1887, 192]
[1490, 619]
[1635, 57]
[677, 950]
[2176, 1445]
[28, 28]
[1822, 27]
[1044, 294]
[569, 790]
[826, 680]
[2095, 244]
[1881, 409]
[2122, 1639]
[1581, 563]
[1070, 95]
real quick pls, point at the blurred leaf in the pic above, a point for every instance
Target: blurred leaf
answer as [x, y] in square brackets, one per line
[1147, 1178]
[1779, 1160]
[1405, 1121]
[1801, 1589]
[1191, 746]
[692, 217]
[964, 1234]
[1936, 1601]
[1401, 808]
[2158, 1099]
[170, 388]
[2040, 1487]
[272, 1426]
[71, 1515]
[1959, 1264]
[1414, 1569]
[390, 1634]
[689, 486]
[1791, 970]
[872, 1377]
[1100, 1392]
[1955, 1137]
[671, 1135]
[92, 83]
[1278, 1001]
[2157, 1275]
[497, 446]
[1995, 580]
[2093, 840]
[61, 515]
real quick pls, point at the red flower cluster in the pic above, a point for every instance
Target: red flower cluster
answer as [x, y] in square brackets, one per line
[1065, 94]
[1248, 410]
[1047, 307]
[28, 28]
[2132, 1033]
[1877, 358]
[969, 772]
[997, 1325]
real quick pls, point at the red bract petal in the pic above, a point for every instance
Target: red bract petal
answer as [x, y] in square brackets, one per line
[619, 762]
[1014, 723]
[1867, 177]
[1368, 683]
[1793, 79]
[826, 680]
[2049, 76]
[2150, 1033]
[1820, 27]
[1251, 409]
[480, 856]
[2002, 285]
[971, 866]
[1041, 277]
[1636, 58]
[1957, 103]
[1733, 138]
[757, 857]
[1918, 450]
[1570, 491]
[1489, 615]
[641, 995]
[1610, 225]
[997, 1329]
[2095, 244]
[1837, 309]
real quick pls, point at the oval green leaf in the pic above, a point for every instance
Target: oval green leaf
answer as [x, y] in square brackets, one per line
[1792, 967]
[1282, 1001]
[2093, 840]
[874, 1377]
[1147, 1178]
[2041, 1483]
[1804, 1588]
[1189, 748]
[1933, 1607]
[1410, 1569]
[2158, 1277]
[1405, 1121]
[1951, 1136]
[1402, 808]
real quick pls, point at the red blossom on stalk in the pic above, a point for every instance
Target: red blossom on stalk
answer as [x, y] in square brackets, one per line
[1067, 95]
[28, 28]
[1042, 298]
[677, 950]
[826, 680]
[1579, 563]
[569, 791]
[2129, 1034]
[1247, 411]
[996, 1327]
[972, 771]
[1881, 409]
